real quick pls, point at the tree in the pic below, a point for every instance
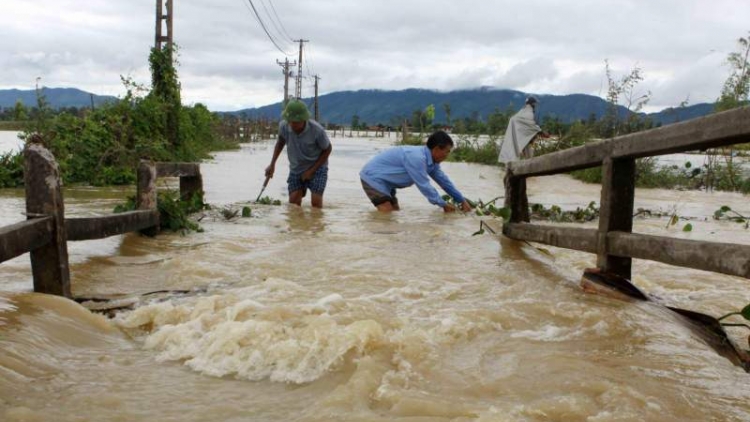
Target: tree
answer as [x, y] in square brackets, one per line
[625, 89]
[497, 122]
[19, 111]
[355, 122]
[447, 109]
[166, 87]
[429, 114]
[417, 120]
[736, 90]
[735, 93]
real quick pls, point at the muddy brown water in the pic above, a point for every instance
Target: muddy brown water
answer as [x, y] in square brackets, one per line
[345, 314]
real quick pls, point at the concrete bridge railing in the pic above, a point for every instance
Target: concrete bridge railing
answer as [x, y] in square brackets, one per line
[46, 231]
[613, 241]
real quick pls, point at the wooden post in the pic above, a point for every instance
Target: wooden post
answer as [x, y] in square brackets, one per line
[49, 263]
[616, 212]
[146, 192]
[515, 196]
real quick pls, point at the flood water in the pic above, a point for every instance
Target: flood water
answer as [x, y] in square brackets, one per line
[344, 314]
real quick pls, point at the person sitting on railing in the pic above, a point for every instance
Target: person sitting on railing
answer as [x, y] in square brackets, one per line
[521, 132]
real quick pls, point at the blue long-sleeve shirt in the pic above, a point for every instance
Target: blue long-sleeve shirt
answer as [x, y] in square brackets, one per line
[404, 166]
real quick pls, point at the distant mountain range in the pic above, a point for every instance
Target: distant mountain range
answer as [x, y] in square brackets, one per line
[56, 97]
[391, 107]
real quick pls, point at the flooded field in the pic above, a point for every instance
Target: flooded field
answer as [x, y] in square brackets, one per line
[345, 314]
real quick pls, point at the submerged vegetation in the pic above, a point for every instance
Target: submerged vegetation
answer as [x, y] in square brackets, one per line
[174, 212]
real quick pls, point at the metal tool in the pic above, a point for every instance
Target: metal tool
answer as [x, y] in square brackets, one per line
[265, 183]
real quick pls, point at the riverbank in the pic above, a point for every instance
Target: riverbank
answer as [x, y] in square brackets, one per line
[11, 125]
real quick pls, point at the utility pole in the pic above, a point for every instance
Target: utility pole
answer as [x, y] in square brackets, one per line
[285, 65]
[298, 92]
[161, 7]
[317, 113]
[164, 14]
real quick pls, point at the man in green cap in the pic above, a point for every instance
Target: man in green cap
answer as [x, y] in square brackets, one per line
[308, 150]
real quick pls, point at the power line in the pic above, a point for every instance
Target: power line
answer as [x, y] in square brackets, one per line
[289, 37]
[270, 37]
[273, 21]
[309, 64]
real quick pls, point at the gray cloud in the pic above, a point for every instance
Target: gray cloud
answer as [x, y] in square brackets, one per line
[227, 62]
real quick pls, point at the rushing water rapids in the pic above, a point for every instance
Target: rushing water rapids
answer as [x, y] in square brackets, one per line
[346, 314]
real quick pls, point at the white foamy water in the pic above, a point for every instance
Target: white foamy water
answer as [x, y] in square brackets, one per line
[346, 314]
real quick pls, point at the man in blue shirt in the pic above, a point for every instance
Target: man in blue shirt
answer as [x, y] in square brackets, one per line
[308, 148]
[404, 166]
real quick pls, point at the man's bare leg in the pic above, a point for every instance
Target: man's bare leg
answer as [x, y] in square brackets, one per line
[386, 207]
[316, 200]
[296, 197]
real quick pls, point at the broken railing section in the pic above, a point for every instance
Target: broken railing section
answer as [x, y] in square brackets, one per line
[613, 241]
[46, 231]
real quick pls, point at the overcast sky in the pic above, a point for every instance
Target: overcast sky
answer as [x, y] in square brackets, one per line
[228, 62]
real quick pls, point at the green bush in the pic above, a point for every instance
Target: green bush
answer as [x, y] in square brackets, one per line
[11, 170]
[475, 151]
[174, 212]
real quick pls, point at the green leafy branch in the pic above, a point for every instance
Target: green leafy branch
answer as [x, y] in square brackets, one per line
[267, 200]
[174, 211]
[556, 214]
[745, 313]
[726, 213]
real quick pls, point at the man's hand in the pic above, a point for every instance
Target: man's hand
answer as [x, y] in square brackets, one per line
[465, 206]
[307, 175]
[449, 208]
[269, 170]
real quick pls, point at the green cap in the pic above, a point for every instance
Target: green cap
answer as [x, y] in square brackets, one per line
[296, 111]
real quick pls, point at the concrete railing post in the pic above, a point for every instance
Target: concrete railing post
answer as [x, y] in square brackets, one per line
[515, 196]
[616, 212]
[49, 263]
[146, 192]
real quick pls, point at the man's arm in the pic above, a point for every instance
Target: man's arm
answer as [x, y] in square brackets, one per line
[308, 174]
[416, 166]
[276, 152]
[445, 182]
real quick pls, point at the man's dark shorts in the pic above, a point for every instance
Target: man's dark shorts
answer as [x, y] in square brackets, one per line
[316, 185]
[377, 197]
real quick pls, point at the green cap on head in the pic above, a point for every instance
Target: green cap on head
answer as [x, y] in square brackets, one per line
[296, 111]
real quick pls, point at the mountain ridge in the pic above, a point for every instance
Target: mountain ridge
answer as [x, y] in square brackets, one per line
[56, 97]
[390, 107]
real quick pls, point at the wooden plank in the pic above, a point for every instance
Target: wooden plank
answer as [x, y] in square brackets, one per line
[725, 258]
[178, 169]
[576, 238]
[616, 212]
[49, 263]
[720, 129]
[19, 238]
[100, 227]
[585, 156]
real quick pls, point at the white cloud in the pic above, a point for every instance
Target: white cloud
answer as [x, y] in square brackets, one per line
[227, 61]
